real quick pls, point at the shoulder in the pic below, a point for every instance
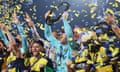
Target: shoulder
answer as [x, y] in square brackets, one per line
[32, 59]
[43, 61]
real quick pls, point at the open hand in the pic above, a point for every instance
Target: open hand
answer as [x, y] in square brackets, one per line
[47, 14]
[65, 15]
[29, 20]
[15, 19]
[110, 19]
[27, 17]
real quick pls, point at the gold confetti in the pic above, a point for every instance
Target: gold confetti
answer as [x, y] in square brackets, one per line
[92, 9]
[34, 8]
[109, 10]
[84, 11]
[110, 3]
[74, 11]
[118, 0]
[70, 38]
[38, 24]
[19, 6]
[6, 15]
[119, 14]
[51, 15]
[89, 5]
[77, 15]
[25, 31]
[41, 27]
[93, 16]
[21, 1]
[52, 6]
[1, 7]
[9, 27]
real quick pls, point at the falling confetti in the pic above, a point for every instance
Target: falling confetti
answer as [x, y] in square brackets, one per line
[109, 10]
[77, 15]
[84, 12]
[93, 16]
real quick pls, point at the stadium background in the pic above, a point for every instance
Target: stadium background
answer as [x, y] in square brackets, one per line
[84, 13]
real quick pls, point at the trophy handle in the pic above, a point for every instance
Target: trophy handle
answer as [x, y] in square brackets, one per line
[50, 20]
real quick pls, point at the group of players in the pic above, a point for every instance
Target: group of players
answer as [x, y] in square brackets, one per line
[77, 50]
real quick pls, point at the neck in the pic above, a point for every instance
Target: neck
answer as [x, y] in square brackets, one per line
[64, 43]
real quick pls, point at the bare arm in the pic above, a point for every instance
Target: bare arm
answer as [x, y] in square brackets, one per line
[67, 28]
[24, 47]
[2, 34]
[9, 35]
[116, 30]
[110, 20]
[35, 33]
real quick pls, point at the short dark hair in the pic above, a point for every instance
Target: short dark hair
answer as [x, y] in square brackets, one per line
[18, 43]
[39, 42]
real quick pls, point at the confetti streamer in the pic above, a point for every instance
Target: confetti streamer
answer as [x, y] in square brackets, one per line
[110, 3]
[116, 5]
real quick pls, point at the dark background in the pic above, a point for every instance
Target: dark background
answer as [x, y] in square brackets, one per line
[84, 13]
